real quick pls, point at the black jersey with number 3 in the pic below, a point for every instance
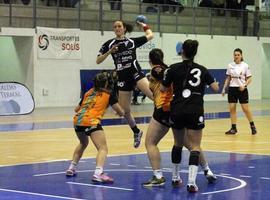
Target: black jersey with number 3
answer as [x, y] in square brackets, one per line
[189, 80]
[125, 56]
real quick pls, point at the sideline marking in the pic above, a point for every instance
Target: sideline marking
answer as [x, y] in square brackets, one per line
[265, 178]
[101, 186]
[244, 176]
[39, 194]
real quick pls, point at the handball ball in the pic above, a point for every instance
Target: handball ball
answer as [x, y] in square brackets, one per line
[141, 18]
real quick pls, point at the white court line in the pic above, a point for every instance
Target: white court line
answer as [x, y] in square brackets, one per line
[223, 174]
[55, 173]
[265, 178]
[131, 165]
[101, 186]
[167, 169]
[39, 194]
[50, 161]
[242, 184]
[244, 176]
[228, 141]
[115, 164]
[147, 167]
[110, 170]
[254, 149]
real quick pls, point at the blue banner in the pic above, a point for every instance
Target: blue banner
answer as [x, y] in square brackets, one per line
[219, 75]
[87, 77]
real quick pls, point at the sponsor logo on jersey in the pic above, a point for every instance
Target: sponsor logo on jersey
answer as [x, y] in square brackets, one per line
[120, 84]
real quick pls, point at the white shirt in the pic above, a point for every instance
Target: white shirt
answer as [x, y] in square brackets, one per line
[238, 73]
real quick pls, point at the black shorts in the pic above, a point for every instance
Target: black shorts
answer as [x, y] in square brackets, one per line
[162, 117]
[127, 78]
[193, 121]
[87, 130]
[235, 95]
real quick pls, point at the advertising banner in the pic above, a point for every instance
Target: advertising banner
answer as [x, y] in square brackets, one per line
[15, 99]
[55, 43]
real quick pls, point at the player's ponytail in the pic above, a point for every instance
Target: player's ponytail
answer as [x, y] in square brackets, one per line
[156, 57]
[128, 27]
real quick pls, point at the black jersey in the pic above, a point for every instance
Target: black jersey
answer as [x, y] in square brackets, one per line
[189, 80]
[125, 57]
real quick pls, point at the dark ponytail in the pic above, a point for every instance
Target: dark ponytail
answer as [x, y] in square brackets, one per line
[190, 48]
[156, 57]
[129, 27]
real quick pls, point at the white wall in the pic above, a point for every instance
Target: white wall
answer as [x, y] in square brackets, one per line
[266, 71]
[61, 78]
[16, 55]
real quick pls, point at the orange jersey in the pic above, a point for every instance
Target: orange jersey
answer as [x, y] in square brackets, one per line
[161, 99]
[93, 107]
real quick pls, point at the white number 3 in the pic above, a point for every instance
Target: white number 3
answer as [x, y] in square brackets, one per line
[196, 74]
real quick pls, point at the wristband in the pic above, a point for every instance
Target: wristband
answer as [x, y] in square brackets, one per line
[146, 27]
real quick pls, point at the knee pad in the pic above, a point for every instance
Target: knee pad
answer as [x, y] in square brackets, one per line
[176, 154]
[194, 158]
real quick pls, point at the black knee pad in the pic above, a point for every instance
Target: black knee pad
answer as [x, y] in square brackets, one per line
[176, 154]
[194, 158]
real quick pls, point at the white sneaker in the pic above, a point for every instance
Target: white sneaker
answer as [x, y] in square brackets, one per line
[71, 172]
[210, 176]
[176, 181]
[102, 178]
[192, 188]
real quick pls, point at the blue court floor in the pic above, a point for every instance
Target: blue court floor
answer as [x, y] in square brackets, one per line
[240, 176]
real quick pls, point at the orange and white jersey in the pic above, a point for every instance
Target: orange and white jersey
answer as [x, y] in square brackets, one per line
[238, 73]
[93, 107]
[161, 99]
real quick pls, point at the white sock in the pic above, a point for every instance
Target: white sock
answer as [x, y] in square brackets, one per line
[98, 170]
[158, 173]
[192, 174]
[175, 170]
[72, 165]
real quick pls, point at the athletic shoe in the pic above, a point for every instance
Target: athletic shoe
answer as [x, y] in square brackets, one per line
[137, 139]
[231, 132]
[253, 130]
[71, 172]
[176, 181]
[210, 176]
[192, 188]
[154, 182]
[102, 178]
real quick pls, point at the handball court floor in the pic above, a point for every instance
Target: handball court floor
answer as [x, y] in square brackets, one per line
[36, 150]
